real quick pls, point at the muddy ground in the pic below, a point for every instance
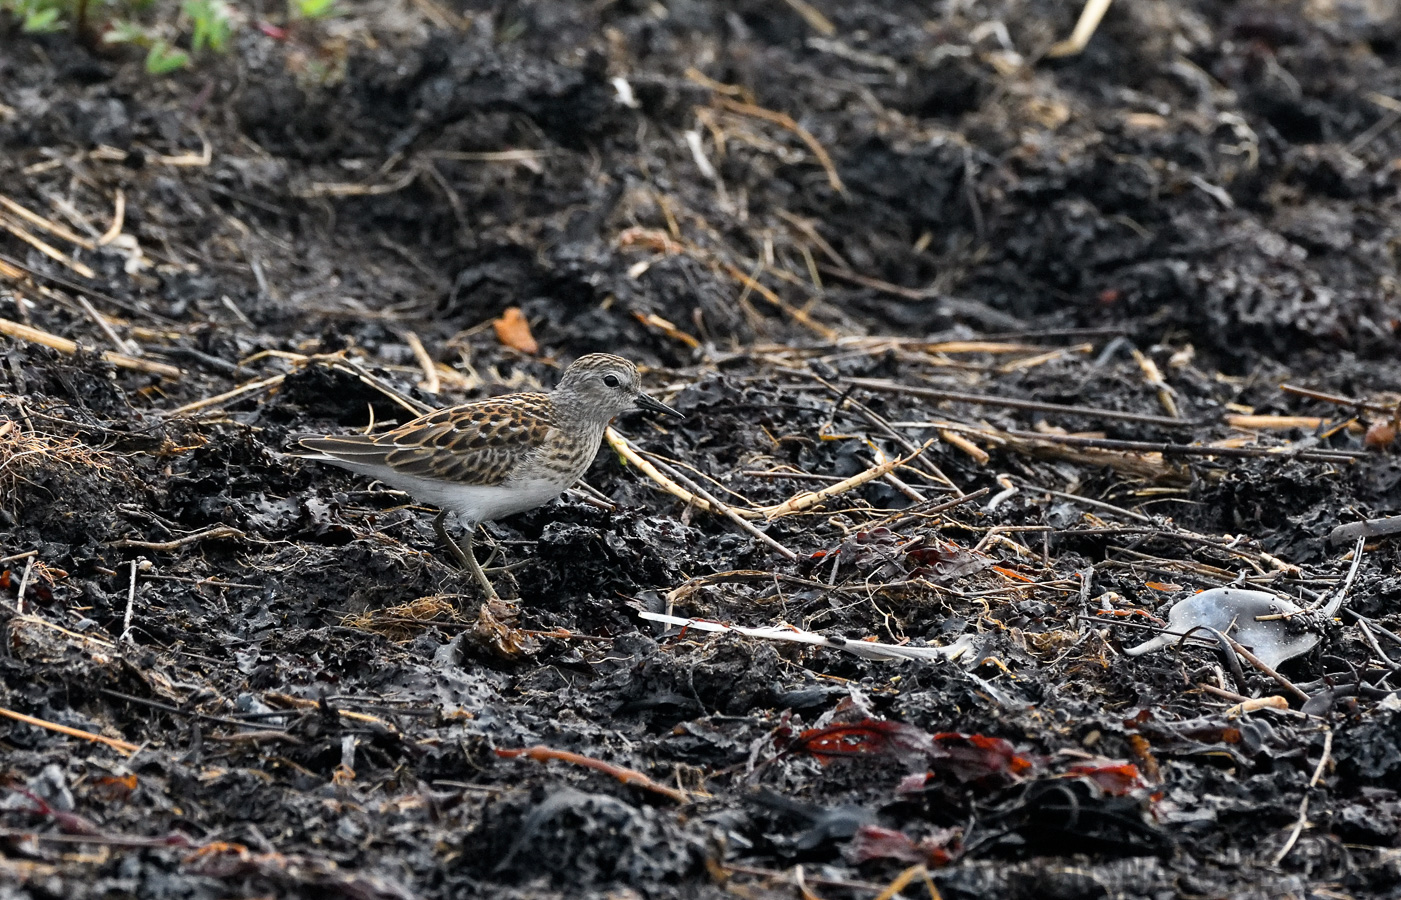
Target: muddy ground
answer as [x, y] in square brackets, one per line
[790, 214]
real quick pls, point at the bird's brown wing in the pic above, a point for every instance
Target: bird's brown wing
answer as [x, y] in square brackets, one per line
[476, 443]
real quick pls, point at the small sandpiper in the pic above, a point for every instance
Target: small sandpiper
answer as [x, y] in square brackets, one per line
[492, 458]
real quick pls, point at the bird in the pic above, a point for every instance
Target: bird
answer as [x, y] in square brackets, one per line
[494, 457]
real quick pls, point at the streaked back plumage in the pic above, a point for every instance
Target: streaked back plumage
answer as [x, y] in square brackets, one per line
[500, 455]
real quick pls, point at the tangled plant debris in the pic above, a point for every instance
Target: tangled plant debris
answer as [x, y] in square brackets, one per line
[1005, 347]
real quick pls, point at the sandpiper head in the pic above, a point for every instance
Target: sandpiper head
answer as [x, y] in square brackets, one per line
[602, 385]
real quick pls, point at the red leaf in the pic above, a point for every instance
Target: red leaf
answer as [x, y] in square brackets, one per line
[873, 842]
[977, 757]
[871, 737]
[1117, 779]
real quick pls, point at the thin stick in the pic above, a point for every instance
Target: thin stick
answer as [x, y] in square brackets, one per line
[1337, 399]
[893, 387]
[1368, 528]
[247, 388]
[114, 743]
[809, 499]
[53, 228]
[23, 583]
[540, 753]
[122, 346]
[1085, 27]
[817, 881]
[49, 278]
[1258, 663]
[926, 468]
[63, 345]
[209, 534]
[799, 315]
[130, 607]
[624, 448]
[1275, 423]
[47, 249]
[786, 121]
[175, 710]
[82, 638]
[724, 510]
[118, 220]
[430, 382]
[1304, 803]
[1185, 449]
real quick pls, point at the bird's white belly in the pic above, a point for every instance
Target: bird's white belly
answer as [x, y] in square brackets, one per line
[478, 503]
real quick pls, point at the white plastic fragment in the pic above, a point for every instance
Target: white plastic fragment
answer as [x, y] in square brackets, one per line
[1235, 612]
[864, 649]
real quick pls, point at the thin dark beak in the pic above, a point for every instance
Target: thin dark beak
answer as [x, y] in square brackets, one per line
[656, 406]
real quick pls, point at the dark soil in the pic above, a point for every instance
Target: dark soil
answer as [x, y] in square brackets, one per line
[315, 694]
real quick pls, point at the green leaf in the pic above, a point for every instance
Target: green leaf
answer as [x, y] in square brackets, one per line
[120, 31]
[313, 9]
[211, 22]
[164, 58]
[41, 19]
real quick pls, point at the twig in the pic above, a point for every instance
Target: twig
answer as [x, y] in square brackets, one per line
[1258, 663]
[1337, 399]
[118, 220]
[105, 840]
[880, 384]
[1304, 803]
[925, 467]
[736, 576]
[430, 382]
[1375, 644]
[174, 710]
[817, 881]
[23, 583]
[1085, 27]
[46, 248]
[541, 753]
[114, 743]
[799, 315]
[214, 533]
[1186, 449]
[49, 278]
[786, 121]
[122, 346]
[623, 447]
[247, 388]
[723, 509]
[130, 607]
[1154, 376]
[256, 737]
[1275, 423]
[809, 499]
[63, 345]
[53, 228]
[927, 508]
[815, 19]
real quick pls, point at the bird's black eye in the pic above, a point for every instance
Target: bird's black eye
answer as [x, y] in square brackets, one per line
[610, 380]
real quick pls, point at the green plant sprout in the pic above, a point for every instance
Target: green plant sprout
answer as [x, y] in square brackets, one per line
[311, 9]
[35, 16]
[211, 24]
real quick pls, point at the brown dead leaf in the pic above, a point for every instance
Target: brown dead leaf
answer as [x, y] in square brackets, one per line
[513, 330]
